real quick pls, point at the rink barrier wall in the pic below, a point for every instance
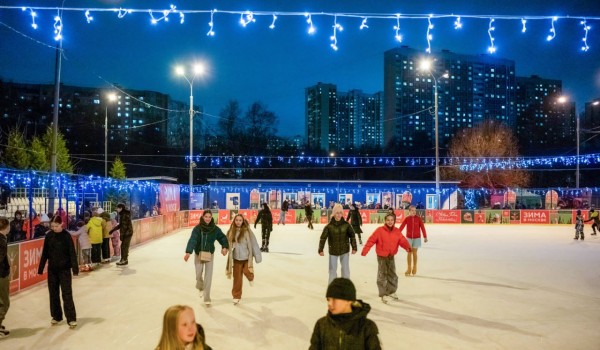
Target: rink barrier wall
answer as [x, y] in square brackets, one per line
[24, 257]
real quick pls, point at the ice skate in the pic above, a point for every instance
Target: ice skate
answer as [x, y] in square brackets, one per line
[53, 322]
[207, 303]
[414, 270]
[385, 299]
[236, 301]
[72, 324]
[122, 263]
[393, 296]
[575, 238]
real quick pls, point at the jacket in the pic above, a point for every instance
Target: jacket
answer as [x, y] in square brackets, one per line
[594, 217]
[266, 219]
[308, 211]
[59, 252]
[29, 228]
[4, 264]
[414, 226]
[125, 225]
[83, 237]
[339, 235]
[203, 238]
[353, 331]
[95, 229]
[285, 206]
[40, 231]
[386, 241]
[16, 233]
[355, 220]
[253, 251]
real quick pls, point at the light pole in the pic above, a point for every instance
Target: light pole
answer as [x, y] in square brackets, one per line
[563, 100]
[426, 66]
[111, 98]
[197, 69]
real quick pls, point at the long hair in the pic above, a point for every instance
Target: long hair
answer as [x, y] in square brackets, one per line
[231, 234]
[266, 207]
[169, 339]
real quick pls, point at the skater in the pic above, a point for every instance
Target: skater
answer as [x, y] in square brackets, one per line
[578, 226]
[596, 220]
[180, 330]
[115, 237]
[243, 247]
[95, 227]
[84, 245]
[202, 242]
[340, 235]
[4, 275]
[266, 221]
[59, 252]
[355, 219]
[386, 239]
[308, 211]
[414, 227]
[284, 209]
[125, 227]
[346, 325]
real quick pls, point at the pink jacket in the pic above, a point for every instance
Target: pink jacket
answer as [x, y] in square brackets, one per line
[414, 226]
[386, 242]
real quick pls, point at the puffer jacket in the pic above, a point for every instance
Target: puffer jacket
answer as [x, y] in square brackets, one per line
[266, 219]
[95, 229]
[353, 331]
[355, 220]
[386, 240]
[125, 225]
[339, 235]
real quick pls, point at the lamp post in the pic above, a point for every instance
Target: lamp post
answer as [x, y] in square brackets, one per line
[111, 98]
[426, 66]
[563, 100]
[197, 69]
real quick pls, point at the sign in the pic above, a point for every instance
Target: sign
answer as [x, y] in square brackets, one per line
[535, 217]
[168, 196]
[446, 216]
[29, 259]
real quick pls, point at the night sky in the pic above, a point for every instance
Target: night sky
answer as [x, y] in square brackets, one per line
[274, 66]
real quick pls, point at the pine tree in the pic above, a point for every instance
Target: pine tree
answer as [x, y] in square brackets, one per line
[63, 159]
[15, 152]
[117, 171]
[37, 155]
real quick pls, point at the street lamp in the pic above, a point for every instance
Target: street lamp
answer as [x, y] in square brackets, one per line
[427, 66]
[562, 100]
[197, 69]
[111, 98]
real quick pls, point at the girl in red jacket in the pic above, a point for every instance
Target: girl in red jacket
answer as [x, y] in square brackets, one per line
[414, 227]
[386, 239]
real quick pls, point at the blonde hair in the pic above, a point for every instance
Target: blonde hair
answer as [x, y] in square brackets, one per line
[169, 339]
[231, 234]
[337, 208]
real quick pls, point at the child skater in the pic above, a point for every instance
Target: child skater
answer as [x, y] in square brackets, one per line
[578, 225]
[115, 237]
[386, 239]
[346, 325]
[414, 227]
[243, 247]
[341, 239]
[59, 252]
[84, 244]
[180, 330]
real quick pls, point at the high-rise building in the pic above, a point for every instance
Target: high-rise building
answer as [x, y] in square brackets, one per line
[590, 127]
[321, 117]
[477, 88]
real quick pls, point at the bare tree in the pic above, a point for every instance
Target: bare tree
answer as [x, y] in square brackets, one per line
[487, 140]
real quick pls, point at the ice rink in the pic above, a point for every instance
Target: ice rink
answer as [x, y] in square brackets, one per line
[477, 287]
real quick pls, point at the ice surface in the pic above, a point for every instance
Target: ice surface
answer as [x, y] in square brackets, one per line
[477, 287]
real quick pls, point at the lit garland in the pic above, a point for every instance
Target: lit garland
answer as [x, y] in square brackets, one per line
[464, 164]
[247, 17]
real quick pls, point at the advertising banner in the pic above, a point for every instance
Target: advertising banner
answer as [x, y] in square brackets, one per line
[29, 261]
[535, 217]
[446, 216]
[515, 216]
[168, 197]
[194, 217]
[145, 231]
[562, 216]
[467, 217]
[225, 217]
[13, 260]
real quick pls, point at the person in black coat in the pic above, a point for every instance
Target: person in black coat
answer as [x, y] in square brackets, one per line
[308, 211]
[355, 220]
[59, 252]
[266, 221]
[125, 228]
[17, 233]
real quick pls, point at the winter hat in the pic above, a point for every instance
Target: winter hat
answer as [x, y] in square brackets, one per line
[44, 218]
[341, 288]
[99, 211]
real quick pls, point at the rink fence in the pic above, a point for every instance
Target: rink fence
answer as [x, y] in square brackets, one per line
[24, 257]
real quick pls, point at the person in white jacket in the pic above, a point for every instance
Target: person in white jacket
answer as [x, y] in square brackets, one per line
[84, 245]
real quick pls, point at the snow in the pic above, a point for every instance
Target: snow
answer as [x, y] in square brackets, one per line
[477, 287]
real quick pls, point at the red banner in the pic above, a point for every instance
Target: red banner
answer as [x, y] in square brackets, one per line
[535, 217]
[169, 198]
[29, 260]
[446, 216]
[194, 217]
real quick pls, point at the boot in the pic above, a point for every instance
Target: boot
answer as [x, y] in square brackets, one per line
[359, 240]
[266, 246]
[262, 248]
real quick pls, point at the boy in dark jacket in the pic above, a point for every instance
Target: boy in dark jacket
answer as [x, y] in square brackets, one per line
[346, 326]
[266, 221]
[125, 227]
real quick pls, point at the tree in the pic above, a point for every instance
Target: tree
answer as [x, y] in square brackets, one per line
[487, 140]
[230, 130]
[63, 158]
[117, 171]
[15, 152]
[260, 127]
[37, 155]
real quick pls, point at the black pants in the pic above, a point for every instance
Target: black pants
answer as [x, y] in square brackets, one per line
[60, 282]
[309, 219]
[96, 252]
[105, 248]
[125, 241]
[266, 233]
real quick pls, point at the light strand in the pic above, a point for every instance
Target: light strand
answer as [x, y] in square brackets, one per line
[397, 29]
[247, 18]
[272, 26]
[33, 15]
[363, 24]
[333, 38]
[523, 25]
[57, 28]
[429, 36]
[491, 28]
[457, 23]
[165, 15]
[586, 29]
[552, 34]
[88, 17]
[311, 28]
[121, 12]
[211, 24]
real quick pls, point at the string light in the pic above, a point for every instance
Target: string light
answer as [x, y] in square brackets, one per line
[552, 34]
[524, 25]
[88, 17]
[397, 29]
[181, 17]
[457, 23]
[33, 15]
[272, 26]
[586, 29]
[364, 25]
[57, 28]
[122, 12]
[247, 18]
[429, 36]
[491, 28]
[211, 24]
[165, 15]
[311, 28]
[333, 38]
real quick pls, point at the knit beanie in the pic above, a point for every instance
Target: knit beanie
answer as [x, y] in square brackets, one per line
[341, 288]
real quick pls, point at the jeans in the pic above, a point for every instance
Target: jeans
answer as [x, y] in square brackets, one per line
[333, 260]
